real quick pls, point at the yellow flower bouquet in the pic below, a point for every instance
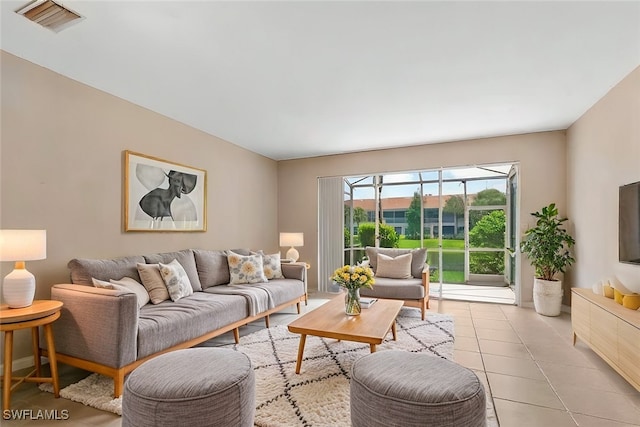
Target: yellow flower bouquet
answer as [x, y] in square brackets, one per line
[353, 278]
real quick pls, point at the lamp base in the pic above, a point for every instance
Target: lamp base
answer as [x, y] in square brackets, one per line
[293, 254]
[19, 288]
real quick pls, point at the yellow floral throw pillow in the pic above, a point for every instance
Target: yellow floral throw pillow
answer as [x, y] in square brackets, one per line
[271, 265]
[245, 269]
[176, 280]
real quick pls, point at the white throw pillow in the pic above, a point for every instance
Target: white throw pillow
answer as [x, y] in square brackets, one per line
[142, 296]
[176, 279]
[271, 265]
[394, 268]
[245, 269]
[135, 287]
[101, 284]
[153, 282]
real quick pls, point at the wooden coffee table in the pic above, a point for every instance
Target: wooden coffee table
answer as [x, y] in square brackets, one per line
[330, 321]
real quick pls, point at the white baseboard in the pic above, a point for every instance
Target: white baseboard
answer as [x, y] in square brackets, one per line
[564, 308]
[24, 362]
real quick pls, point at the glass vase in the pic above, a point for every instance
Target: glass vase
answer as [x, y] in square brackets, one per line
[352, 302]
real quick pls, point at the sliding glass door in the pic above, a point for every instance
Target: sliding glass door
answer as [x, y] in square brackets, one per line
[463, 216]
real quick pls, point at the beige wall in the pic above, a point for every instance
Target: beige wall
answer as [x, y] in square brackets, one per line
[62, 170]
[603, 153]
[541, 157]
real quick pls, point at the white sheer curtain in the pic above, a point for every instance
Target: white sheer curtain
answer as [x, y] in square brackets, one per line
[330, 229]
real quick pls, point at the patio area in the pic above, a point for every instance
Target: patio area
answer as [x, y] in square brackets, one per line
[475, 293]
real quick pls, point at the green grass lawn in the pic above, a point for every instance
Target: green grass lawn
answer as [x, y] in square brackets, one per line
[449, 277]
[452, 260]
[431, 244]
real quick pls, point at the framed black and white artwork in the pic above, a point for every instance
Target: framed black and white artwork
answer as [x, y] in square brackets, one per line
[161, 195]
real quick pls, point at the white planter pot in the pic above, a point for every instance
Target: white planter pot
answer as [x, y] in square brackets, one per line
[547, 297]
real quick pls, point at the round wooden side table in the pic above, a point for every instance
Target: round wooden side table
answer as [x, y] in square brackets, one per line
[40, 313]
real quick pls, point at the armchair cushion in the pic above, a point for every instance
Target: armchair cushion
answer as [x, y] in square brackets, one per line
[394, 268]
[409, 289]
[418, 258]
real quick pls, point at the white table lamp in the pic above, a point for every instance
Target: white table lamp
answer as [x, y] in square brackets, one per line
[292, 240]
[19, 286]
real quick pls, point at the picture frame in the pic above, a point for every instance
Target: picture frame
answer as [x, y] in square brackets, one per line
[161, 195]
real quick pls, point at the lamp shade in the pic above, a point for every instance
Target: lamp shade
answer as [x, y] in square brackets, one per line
[23, 245]
[19, 286]
[291, 239]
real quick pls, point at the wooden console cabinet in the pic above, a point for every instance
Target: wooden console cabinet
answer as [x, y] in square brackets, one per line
[611, 330]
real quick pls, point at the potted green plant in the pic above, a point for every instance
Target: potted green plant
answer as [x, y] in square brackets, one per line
[547, 245]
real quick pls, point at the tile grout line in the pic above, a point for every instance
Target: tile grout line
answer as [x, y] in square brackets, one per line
[547, 379]
[484, 367]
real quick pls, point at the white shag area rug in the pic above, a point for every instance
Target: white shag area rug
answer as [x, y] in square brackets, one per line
[319, 395]
[96, 391]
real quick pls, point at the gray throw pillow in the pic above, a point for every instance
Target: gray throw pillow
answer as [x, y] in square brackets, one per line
[212, 267]
[83, 270]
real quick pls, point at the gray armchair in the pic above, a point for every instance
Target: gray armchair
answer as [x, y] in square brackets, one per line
[397, 277]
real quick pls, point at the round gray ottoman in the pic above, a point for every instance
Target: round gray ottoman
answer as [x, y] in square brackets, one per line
[398, 388]
[192, 387]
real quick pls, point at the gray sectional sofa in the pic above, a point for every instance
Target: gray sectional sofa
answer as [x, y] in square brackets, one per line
[105, 330]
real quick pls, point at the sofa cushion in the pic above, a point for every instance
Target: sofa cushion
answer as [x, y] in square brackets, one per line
[283, 290]
[245, 269]
[418, 258]
[170, 323]
[186, 259]
[83, 270]
[394, 268]
[212, 267]
[176, 280]
[153, 283]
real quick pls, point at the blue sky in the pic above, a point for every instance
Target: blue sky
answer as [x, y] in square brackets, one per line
[447, 187]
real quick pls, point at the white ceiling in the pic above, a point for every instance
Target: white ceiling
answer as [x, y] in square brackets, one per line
[301, 78]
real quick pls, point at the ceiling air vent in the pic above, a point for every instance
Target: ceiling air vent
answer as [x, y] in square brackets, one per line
[49, 14]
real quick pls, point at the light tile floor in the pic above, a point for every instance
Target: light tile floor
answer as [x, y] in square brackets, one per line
[527, 362]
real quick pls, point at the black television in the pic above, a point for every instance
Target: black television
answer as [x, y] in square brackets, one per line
[629, 224]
